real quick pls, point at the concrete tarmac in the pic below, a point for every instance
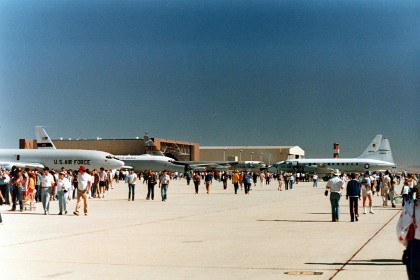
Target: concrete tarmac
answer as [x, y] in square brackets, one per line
[267, 234]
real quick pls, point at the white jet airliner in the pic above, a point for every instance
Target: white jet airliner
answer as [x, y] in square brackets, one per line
[57, 158]
[377, 156]
[156, 162]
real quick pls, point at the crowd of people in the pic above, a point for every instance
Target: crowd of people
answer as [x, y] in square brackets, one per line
[32, 186]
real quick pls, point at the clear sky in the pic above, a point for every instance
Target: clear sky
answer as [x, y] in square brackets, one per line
[307, 73]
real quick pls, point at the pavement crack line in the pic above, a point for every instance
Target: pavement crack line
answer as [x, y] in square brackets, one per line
[363, 246]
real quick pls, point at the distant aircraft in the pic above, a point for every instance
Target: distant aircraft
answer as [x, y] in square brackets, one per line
[152, 149]
[156, 160]
[377, 156]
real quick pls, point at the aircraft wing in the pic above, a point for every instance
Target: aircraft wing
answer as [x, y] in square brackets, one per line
[202, 166]
[320, 168]
[10, 164]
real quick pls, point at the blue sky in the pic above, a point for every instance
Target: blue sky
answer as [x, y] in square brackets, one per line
[307, 73]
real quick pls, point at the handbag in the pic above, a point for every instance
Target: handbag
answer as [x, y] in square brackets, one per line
[326, 192]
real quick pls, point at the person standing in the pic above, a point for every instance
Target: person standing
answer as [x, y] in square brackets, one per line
[411, 215]
[62, 189]
[291, 180]
[235, 181]
[353, 192]
[386, 186]
[197, 181]
[164, 181]
[38, 194]
[367, 192]
[17, 183]
[47, 183]
[246, 179]
[4, 188]
[188, 177]
[224, 180]
[207, 180]
[151, 182]
[315, 179]
[102, 179]
[335, 185]
[83, 189]
[132, 180]
[280, 180]
[2, 199]
[95, 184]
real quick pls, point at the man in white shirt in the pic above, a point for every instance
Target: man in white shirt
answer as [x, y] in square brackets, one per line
[335, 185]
[132, 179]
[62, 189]
[164, 181]
[83, 189]
[315, 179]
[47, 183]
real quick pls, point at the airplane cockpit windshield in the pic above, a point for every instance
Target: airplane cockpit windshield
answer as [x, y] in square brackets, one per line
[112, 157]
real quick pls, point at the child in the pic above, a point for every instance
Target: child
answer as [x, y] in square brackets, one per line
[405, 190]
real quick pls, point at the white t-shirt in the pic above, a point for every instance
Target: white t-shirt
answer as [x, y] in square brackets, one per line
[132, 178]
[165, 179]
[47, 181]
[335, 184]
[84, 180]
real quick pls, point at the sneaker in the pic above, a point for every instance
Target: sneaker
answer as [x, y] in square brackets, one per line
[60, 213]
[364, 210]
[86, 214]
[75, 213]
[371, 211]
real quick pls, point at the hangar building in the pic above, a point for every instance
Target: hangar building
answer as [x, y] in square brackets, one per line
[179, 150]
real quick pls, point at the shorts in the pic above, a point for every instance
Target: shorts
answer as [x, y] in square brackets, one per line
[102, 183]
[366, 192]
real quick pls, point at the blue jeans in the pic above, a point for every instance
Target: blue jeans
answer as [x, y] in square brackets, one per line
[335, 205]
[131, 188]
[291, 184]
[17, 195]
[164, 191]
[150, 191]
[315, 183]
[62, 201]
[45, 197]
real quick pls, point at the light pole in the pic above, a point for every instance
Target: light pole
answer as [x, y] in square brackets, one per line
[269, 160]
[261, 156]
[240, 155]
[251, 155]
[224, 154]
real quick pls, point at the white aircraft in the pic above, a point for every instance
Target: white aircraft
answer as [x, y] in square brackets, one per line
[154, 159]
[156, 162]
[56, 159]
[377, 156]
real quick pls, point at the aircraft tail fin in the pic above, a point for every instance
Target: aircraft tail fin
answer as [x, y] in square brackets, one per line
[379, 149]
[42, 138]
[150, 147]
[372, 148]
[384, 152]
